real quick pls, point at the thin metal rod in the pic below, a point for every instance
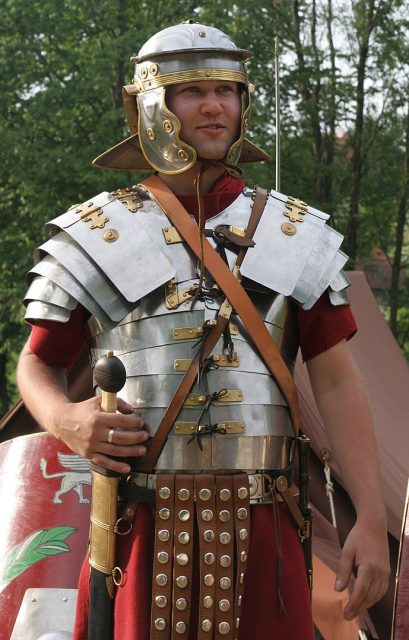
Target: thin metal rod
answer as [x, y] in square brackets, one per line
[277, 110]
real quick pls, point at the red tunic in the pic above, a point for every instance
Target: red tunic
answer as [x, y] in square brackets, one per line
[262, 619]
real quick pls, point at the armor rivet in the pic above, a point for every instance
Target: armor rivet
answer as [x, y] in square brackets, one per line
[180, 627]
[237, 623]
[168, 126]
[150, 133]
[162, 579]
[225, 583]
[164, 535]
[205, 494]
[161, 601]
[208, 535]
[208, 558]
[183, 537]
[224, 515]
[163, 557]
[225, 561]
[225, 494]
[243, 556]
[239, 599]
[164, 493]
[289, 228]
[202, 34]
[153, 69]
[181, 604]
[224, 628]
[184, 494]
[242, 493]
[206, 625]
[144, 72]
[243, 534]
[182, 582]
[183, 155]
[208, 580]
[241, 579]
[110, 235]
[208, 602]
[184, 515]
[160, 624]
[207, 515]
[242, 513]
[224, 537]
[182, 559]
[253, 485]
[164, 514]
[224, 605]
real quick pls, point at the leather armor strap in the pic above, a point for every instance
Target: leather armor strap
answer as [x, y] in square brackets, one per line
[225, 558]
[206, 523]
[241, 493]
[183, 563]
[232, 288]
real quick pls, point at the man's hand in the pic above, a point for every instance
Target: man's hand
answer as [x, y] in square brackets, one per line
[366, 553]
[85, 429]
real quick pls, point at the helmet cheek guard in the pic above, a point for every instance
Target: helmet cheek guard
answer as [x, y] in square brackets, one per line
[184, 53]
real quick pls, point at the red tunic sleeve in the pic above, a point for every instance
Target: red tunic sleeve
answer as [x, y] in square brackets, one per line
[324, 326]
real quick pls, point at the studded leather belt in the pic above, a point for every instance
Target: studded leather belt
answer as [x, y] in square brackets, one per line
[141, 487]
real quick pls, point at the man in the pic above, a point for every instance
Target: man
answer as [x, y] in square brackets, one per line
[122, 272]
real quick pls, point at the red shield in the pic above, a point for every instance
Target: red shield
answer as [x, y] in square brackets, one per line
[45, 492]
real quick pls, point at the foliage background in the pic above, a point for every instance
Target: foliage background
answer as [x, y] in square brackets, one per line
[344, 114]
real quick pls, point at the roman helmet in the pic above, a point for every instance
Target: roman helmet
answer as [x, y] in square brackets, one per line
[188, 52]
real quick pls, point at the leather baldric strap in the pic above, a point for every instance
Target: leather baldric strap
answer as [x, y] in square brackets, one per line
[155, 446]
[231, 287]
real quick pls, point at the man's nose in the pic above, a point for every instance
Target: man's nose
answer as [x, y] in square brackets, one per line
[211, 103]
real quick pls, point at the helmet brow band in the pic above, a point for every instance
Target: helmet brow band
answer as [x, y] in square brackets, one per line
[192, 76]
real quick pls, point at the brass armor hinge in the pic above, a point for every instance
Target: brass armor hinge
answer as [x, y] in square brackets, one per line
[190, 428]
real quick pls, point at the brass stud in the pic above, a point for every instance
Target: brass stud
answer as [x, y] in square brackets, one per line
[289, 228]
[205, 494]
[225, 583]
[243, 556]
[224, 605]
[163, 557]
[182, 582]
[161, 601]
[164, 493]
[180, 627]
[184, 494]
[164, 514]
[208, 602]
[208, 535]
[243, 534]
[162, 579]
[184, 515]
[207, 515]
[242, 513]
[237, 623]
[110, 235]
[208, 558]
[160, 624]
[225, 537]
[206, 625]
[183, 537]
[164, 535]
[183, 155]
[225, 494]
[208, 580]
[225, 561]
[202, 34]
[241, 579]
[242, 493]
[239, 599]
[181, 604]
[153, 69]
[224, 516]
[144, 73]
[150, 133]
[224, 628]
[182, 559]
[168, 126]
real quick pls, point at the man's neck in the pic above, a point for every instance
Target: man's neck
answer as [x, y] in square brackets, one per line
[185, 183]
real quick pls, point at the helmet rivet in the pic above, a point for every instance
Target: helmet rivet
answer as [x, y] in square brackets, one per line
[150, 133]
[202, 34]
[111, 235]
[183, 155]
[144, 72]
[153, 69]
[168, 126]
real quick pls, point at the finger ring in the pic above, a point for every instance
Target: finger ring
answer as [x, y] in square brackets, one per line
[110, 436]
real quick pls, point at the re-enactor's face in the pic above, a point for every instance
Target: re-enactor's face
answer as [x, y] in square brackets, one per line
[209, 112]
